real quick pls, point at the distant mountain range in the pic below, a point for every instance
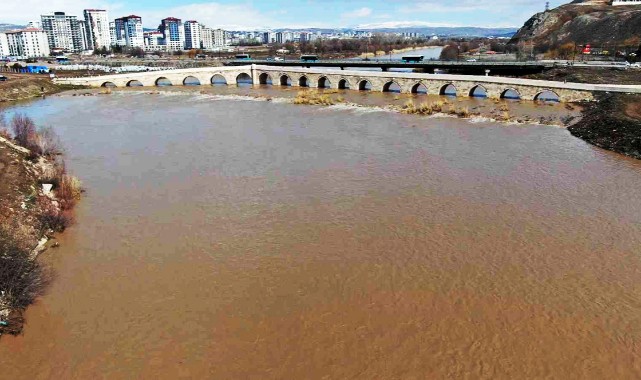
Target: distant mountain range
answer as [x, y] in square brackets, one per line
[5, 27]
[449, 31]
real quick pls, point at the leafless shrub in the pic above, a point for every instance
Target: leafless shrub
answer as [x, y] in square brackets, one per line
[22, 279]
[24, 131]
[51, 218]
[4, 133]
[47, 142]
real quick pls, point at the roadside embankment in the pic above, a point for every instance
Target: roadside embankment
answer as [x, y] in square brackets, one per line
[28, 86]
[612, 122]
[37, 197]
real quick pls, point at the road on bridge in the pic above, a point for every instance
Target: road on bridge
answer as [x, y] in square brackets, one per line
[466, 67]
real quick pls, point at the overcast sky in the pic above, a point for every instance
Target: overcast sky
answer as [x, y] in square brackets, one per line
[286, 13]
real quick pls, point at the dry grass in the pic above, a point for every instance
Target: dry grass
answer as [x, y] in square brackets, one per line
[68, 191]
[314, 98]
[426, 108]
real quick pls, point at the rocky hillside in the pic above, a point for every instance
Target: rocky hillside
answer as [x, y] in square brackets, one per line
[593, 22]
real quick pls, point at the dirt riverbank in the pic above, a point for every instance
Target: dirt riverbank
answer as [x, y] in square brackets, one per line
[29, 86]
[613, 122]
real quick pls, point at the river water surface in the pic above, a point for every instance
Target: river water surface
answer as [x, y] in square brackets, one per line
[233, 239]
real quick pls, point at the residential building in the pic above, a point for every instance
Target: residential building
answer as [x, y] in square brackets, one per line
[63, 32]
[219, 38]
[29, 42]
[306, 37]
[113, 41]
[154, 41]
[129, 31]
[192, 35]
[626, 2]
[173, 33]
[4, 45]
[206, 38]
[269, 37]
[84, 34]
[98, 36]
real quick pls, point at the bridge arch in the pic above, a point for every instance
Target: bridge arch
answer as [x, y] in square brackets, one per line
[343, 84]
[448, 90]
[265, 78]
[218, 80]
[547, 96]
[323, 82]
[364, 85]
[134, 83]
[303, 81]
[285, 80]
[108, 84]
[510, 93]
[419, 88]
[191, 81]
[244, 79]
[392, 86]
[162, 81]
[478, 91]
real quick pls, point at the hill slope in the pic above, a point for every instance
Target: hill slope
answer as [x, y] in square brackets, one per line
[583, 22]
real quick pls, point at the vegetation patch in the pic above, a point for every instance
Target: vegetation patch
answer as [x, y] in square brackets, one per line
[37, 199]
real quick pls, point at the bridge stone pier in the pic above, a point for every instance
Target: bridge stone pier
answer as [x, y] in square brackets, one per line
[402, 82]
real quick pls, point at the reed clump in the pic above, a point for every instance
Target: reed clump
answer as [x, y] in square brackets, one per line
[314, 98]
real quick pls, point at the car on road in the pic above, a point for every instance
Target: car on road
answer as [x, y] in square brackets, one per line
[3, 78]
[636, 65]
[471, 60]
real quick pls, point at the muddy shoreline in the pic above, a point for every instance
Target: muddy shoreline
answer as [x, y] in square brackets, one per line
[613, 122]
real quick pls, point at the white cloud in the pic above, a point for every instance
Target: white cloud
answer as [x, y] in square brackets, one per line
[358, 13]
[23, 11]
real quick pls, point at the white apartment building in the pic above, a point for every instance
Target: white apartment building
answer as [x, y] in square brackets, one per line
[192, 35]
[63, 32]
[219, 38]
[206, 38]
[28, 43]
[4, 45]
[154, 41]
[129, 31]
[98, 36]
[626, 2]
[112, 34]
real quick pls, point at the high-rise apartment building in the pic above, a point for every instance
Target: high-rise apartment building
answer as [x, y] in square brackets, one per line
[154, 41]
[173, 33]
[4, 45]
[63, 32]
[206, 38]
[112, 34]
[219, 38]
[97, 28]
[29, 42]
[192, 35]
[129, 31]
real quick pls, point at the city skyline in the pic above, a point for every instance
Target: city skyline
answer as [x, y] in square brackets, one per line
[236, 15]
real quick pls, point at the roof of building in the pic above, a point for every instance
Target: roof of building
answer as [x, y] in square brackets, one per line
[171, 19]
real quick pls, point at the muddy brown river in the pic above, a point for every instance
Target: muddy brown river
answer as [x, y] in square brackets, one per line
[228, 238]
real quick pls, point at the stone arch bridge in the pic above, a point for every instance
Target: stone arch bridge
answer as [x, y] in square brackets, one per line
[402, 82]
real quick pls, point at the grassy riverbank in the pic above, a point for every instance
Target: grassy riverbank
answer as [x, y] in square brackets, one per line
[37, 197]
[613, 122]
